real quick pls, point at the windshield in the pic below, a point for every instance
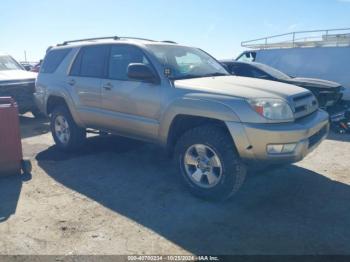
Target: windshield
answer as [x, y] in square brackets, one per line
[272, 71]
[8, 63]
[186, 62]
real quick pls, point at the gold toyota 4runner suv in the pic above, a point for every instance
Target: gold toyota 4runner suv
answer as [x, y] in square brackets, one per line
[181, 98]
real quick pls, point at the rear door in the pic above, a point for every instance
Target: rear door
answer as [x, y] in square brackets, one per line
[85, 78]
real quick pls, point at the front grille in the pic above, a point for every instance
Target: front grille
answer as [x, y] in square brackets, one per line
[301, 97]
[304, 105]
[300, 109]
[314, 139]
[21, 92]
[14, 86]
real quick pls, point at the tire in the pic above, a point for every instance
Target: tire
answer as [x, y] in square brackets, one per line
[219, 146]
[75, 135]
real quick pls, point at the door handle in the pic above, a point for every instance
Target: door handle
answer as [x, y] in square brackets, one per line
[71, 82]
[108, 86]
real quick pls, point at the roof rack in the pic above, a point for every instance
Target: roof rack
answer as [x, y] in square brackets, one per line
[168, 41]
[314, 38]
[137, 38]
[89, 39]
[112, 38]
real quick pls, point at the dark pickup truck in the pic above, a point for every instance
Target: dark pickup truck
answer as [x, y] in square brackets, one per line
[18, 83]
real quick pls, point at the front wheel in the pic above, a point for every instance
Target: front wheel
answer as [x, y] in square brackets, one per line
[209, 163]
[67, 134]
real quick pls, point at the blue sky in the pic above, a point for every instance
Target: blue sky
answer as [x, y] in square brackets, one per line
[217, 26]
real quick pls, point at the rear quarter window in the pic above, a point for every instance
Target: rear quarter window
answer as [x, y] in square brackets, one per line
[53, 59]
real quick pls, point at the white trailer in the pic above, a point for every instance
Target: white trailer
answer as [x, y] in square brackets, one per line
[323, 54]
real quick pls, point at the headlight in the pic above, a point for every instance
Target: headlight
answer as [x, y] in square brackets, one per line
[272, 108]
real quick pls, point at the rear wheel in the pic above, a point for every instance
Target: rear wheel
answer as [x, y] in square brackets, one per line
[67, 134]
[209, 164]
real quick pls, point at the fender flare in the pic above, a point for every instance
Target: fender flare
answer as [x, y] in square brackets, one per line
[194, 107]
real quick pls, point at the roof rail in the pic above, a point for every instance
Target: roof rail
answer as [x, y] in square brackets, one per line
[137, 38]
[168, 41]
[112, 38]
[89, 39]
[313, 38]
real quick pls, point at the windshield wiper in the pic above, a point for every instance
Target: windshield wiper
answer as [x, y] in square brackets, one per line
[185, 77]
[216, 74]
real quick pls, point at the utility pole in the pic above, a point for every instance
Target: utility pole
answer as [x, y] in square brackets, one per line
[25, 55]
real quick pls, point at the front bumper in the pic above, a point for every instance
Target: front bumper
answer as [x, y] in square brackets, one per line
[251, 139]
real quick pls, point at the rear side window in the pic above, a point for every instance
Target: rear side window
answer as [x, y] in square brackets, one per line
[90, 62]
[53, 59]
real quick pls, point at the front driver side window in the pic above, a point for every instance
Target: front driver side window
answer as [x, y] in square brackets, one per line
[256, 73]
[243, 70]
[232, 69]
[121, 57]
[249, 71]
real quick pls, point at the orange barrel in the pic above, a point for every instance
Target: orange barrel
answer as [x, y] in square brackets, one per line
[10, 139]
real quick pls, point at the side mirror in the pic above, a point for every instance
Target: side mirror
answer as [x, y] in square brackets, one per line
[141, 72]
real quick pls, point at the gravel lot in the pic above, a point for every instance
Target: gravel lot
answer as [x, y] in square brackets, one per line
[119, 196]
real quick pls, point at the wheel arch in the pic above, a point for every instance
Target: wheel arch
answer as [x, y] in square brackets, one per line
[192, 112]
[55, 100]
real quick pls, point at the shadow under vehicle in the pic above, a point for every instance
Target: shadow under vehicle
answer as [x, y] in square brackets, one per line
[289, 210]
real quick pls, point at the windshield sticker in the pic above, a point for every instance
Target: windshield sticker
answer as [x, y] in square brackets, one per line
[167, 71]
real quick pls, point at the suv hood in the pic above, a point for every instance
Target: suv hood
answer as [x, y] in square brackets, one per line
[314, 82]
[243, 87]
[16, 75]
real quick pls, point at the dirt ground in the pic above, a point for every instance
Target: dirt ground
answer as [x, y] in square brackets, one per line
[118, 196]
